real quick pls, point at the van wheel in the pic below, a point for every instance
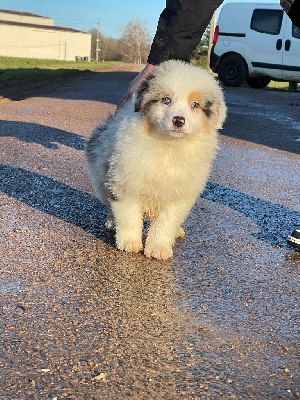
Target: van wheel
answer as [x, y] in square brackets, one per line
[258, 83]
[232, 71]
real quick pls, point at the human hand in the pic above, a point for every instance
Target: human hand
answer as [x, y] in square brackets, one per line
[136, 83]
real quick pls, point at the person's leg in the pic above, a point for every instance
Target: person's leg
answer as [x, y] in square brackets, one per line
[292, 8]
[180, 28]
[179, 31]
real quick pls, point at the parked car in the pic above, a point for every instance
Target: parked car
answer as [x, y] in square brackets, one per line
[255, 42]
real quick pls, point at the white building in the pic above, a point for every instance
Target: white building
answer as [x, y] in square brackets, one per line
[24, 34]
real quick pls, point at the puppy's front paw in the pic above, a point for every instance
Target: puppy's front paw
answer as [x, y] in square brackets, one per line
[159, 252]
[130, 246]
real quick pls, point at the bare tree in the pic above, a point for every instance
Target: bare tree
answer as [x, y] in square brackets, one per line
[135, 42]
[109, 48]
[132, 47]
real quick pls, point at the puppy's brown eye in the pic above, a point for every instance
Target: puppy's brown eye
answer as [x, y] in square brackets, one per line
[195, 104]
[167, 100]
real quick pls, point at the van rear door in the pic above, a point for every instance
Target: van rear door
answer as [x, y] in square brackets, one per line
[264, 44]
[291, 52]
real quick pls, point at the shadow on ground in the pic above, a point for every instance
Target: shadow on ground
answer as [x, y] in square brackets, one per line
[81, 209]
[44, 135]
[53, 86]
[271, 133]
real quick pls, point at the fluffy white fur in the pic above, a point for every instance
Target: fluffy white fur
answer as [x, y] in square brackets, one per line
[152, 159]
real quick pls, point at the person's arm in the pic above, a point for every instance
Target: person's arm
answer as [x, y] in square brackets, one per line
[136, 83]
[180, 28]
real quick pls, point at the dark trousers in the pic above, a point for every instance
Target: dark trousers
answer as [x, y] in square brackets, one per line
[183, 22]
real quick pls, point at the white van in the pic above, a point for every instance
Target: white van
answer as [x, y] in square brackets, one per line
[255, 42]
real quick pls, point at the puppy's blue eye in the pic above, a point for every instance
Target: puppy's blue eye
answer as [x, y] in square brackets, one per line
[167, 100]
[195, 104]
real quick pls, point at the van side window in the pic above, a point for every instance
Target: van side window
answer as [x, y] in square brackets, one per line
[296, 32]
[267, 21]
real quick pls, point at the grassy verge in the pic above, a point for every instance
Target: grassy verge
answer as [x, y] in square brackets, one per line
[281, 85]
[15, 68]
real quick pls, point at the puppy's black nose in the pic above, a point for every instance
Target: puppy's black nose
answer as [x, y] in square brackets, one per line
[178, 121]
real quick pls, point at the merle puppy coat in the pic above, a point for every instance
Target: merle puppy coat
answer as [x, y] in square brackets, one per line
[152, 158]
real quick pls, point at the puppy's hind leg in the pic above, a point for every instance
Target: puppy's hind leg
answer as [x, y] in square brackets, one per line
[128, 219]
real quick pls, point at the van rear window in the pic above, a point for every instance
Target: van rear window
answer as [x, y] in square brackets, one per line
[296, 32]
[267, 21]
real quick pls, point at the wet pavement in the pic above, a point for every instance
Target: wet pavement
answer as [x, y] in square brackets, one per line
[82, 320]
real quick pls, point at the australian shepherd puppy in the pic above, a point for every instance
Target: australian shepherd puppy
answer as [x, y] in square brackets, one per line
[152, 158]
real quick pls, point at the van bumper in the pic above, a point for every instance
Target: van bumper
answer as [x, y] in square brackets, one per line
[213, 61]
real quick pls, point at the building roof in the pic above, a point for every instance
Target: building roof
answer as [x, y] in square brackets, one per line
[27, 14]
[48, 27]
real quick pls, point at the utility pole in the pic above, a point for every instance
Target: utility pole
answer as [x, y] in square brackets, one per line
[97, 40]
[65, 51]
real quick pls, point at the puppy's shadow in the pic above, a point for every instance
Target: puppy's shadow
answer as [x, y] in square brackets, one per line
[275, 222]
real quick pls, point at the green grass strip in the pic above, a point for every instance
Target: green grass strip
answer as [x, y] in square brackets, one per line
[17, 68]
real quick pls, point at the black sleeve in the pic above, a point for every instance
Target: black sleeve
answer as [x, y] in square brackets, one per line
[180, 28]
[292, 8]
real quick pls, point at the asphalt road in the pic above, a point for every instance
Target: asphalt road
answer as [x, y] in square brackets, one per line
[82, 320]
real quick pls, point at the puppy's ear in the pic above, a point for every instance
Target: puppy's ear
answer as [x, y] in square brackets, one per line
[215, 111]
[142, 90]
[222, 113]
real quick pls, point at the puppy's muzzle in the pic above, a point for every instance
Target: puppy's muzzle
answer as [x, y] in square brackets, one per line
[178, 121]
